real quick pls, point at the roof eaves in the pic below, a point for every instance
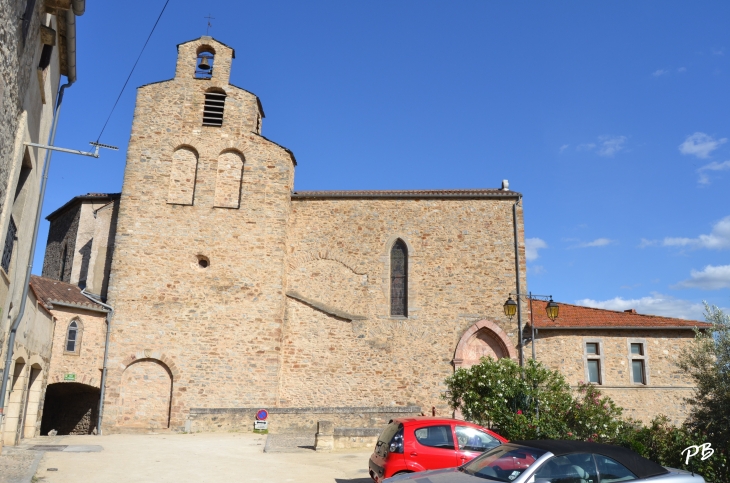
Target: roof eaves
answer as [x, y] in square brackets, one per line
[61, 303]
[206, 38]
[407, 194]
[289, 151]
[80, 198]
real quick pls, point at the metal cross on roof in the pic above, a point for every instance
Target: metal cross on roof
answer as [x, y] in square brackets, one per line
[209, 24]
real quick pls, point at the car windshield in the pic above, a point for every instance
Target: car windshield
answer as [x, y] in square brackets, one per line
[503, 463]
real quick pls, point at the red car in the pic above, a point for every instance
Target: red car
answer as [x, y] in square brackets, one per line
[417, 444]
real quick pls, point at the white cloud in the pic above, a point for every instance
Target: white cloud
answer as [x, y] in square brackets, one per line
[606, 145]
[700, 144]
[682, 69]
[718, 239]
[656, 304]
[610, 145]
[598, 242]
[660, 72]
[532, 245]
[704, 177]
[711, 278]
[564, 147]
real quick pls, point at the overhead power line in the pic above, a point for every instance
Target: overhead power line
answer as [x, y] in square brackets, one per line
[132, 71]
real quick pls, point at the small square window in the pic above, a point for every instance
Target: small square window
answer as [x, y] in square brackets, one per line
[637, 372]
[594, 371]
[637, 349]
[592, 348]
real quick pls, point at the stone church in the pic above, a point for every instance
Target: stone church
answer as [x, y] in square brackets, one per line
[231, 292]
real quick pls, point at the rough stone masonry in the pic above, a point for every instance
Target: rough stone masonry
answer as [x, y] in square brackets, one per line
[231, 292]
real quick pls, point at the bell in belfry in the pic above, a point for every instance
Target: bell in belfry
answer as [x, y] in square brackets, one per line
[204, 65]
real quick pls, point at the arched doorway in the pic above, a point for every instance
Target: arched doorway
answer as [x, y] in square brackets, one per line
[32, 402]
[483, 339]
[146, 394]
[16, 401]
[70, 408]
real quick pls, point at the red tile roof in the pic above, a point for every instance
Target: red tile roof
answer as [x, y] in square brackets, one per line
[577, 316]
[61, 293]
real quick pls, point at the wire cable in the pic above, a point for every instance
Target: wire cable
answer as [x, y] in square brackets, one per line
[132, 71]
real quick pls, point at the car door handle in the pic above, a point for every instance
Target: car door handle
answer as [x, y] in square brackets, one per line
[414, 454]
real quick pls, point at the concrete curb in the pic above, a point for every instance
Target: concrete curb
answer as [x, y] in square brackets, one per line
[28, 478]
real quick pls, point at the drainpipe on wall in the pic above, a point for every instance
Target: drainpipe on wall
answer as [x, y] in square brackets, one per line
[71, 78]
[519, 287]
[102, 385]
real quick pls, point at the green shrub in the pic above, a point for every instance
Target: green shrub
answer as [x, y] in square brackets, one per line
[537, 403]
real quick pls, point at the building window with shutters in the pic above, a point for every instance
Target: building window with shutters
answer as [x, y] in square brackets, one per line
[10, 238]
[399, 279]
[73, 338]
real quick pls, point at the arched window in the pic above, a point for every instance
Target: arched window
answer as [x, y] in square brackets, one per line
[72, 337]
[399, 279]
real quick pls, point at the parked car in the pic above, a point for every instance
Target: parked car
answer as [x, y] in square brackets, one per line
[417, 444]
[556, 462]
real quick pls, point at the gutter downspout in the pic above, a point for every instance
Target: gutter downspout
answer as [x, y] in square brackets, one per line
[106, 356]
[519, 291]
[71, 78]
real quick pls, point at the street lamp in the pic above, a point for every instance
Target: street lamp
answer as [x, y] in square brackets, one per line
[510, 309]
[552, 310]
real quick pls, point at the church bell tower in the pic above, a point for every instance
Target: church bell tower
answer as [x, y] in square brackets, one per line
[199, 265]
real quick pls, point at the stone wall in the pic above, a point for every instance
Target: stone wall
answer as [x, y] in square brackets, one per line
[61, 239]
[283, 420]
[16, 62]
[87, 361]
[460, 270]
[666, 385]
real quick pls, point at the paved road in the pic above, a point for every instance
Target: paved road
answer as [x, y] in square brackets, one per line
[198, 457]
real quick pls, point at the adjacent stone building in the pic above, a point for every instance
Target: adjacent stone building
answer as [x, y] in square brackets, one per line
[629, 355]
[37, 48]
[232, 292]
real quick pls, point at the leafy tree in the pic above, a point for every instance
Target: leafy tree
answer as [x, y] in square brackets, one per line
[708, 364]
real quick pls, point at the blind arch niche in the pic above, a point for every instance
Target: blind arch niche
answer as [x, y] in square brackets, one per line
[228, 180]
[182, 176]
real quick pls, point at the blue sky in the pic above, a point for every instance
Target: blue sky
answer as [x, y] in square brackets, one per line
[611, 118]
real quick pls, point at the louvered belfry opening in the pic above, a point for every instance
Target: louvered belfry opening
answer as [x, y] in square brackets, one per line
[213, 109]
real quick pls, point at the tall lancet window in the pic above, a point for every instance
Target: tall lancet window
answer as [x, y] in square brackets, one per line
[399, 279]
[72, 337]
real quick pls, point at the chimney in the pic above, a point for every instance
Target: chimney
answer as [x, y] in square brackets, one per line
[630, 311]
[505, 185]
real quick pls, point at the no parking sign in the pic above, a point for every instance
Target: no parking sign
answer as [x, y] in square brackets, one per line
[261, 422]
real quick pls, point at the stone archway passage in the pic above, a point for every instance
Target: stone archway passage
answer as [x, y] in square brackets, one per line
[70, 408]
[483, 339]
[146, 395]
